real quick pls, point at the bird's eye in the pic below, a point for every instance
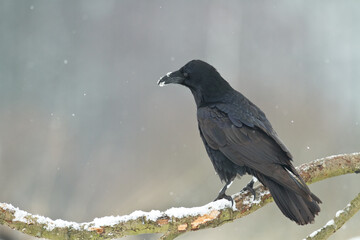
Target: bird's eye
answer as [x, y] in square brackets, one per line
[186, 74]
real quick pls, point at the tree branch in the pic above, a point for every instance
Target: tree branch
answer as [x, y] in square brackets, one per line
[338, 221]
[174, 221]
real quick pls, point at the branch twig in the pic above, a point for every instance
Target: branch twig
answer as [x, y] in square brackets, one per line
[174, 221]
[338, 221]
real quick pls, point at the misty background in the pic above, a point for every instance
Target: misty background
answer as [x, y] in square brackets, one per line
[86, 132]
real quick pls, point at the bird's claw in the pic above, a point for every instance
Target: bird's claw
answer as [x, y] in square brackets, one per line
[250, 188]
[224, 196]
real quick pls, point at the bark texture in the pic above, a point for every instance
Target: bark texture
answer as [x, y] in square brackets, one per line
[175, 221]
[341, 217]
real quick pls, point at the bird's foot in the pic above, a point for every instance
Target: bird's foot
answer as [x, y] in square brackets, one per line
[224, 196]
[250, 188]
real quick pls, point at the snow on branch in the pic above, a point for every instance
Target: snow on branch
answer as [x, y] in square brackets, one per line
[338, 221]
[173, 221]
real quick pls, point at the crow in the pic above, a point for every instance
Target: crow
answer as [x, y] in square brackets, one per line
[240, 140]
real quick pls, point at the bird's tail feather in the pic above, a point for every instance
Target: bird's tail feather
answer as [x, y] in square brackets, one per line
[301, 209]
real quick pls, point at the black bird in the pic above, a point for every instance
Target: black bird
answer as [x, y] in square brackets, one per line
[239, 139]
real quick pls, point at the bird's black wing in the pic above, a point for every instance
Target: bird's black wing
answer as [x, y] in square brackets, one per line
[244, 112]
[246, 144]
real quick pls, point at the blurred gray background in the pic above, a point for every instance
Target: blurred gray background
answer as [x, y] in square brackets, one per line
[85, 131]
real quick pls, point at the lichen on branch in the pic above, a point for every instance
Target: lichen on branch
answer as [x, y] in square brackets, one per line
[174, 221]
[341, 217]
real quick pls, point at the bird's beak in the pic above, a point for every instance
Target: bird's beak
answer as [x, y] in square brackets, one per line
[171, 77]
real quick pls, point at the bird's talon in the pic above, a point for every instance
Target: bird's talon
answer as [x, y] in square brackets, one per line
[227, 197]
[250, 188]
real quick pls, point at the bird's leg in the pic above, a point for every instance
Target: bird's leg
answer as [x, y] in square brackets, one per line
[223, 195]
[250, 188]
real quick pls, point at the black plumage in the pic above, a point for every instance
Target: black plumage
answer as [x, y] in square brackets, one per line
[239, 139]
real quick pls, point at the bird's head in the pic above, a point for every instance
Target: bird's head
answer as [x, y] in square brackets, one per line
[201, 78]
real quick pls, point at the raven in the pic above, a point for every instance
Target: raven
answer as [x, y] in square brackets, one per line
[239, 139]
